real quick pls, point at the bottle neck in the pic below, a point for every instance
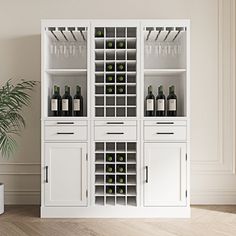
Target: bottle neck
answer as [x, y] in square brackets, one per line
[78, 91]
[67, 90]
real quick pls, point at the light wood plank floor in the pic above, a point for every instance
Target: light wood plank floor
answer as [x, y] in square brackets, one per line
[205, 221]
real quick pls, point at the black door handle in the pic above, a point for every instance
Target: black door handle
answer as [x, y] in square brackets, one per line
[65, 123]
[115, 133]
[165, 133]
[65, 132]
[46, 169]
[146, 167]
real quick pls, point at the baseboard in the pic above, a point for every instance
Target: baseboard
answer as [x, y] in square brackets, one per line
[22, 197]
[214, 198]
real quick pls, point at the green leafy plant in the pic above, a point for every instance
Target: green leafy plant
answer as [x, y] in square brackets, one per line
[12, 99]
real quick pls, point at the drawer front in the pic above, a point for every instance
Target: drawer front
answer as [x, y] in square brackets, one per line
[114, 123]
[115, 133]
[165, 123]
[65, 133]
[64, 123]
[159, 133]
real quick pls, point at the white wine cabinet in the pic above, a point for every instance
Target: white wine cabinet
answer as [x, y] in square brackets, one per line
[106, 156]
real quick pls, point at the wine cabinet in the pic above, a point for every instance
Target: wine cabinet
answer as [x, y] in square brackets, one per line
[106, 150]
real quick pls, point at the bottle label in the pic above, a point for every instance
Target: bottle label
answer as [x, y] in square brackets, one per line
[172, 104]
[150, 105]
[54, 105]
[65, 105]
[76, 104]
[160, 104]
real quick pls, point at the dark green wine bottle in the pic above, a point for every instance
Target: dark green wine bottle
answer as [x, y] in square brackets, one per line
[110, 44]
[150, 103]
[121, 168]
[120, 190]
[160, 102]
[110, 168]
[110, 179]
[99, 33]
[120, 66]
[67, 103]
[109, 157]
[110, 190]
[121, 179]
[120, 44]
[120, 89]
[110, 67]
[110, 89]
[120, 157]
[56, 102]
[78, 102]
[120, 78]
[110, 78]
[172, 102]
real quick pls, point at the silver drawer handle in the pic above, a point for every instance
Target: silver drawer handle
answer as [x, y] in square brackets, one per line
[115, 123]
[169, 133]
[115, 133]
[165, 123]
[65, 133]
[65, 123]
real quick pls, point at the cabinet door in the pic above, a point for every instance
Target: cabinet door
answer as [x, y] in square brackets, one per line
[65, 174]
[165, 167]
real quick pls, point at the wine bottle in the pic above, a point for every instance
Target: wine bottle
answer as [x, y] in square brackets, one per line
[110, 78]
[120, 89]
[110, 44]
[110, 168]
[150, 103]
[78, 102]
[120, 78]
[110, 67]
[67, 102]
[120, 66]
[110, 89]
[172, 102]
[110, 179]
[121, 179]
[56, 102]
[109, 190]
[160, 102]
[109, 157]
[120, 168]
[99, 33]
[120, 190]
[120, 44]
[120, 157]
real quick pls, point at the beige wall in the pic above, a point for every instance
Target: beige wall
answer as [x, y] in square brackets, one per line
[20, 58]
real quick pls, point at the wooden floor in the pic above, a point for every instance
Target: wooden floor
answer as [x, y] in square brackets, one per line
[206, 220]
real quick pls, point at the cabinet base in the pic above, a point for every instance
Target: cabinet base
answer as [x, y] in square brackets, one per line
[115, 212]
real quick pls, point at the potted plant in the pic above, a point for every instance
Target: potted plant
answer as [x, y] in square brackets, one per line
[12, 99]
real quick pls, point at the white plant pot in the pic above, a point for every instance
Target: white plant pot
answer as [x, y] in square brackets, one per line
[1, 198]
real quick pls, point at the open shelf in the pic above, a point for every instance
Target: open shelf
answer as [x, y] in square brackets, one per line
[150, 72]
[115, 170]
[66, 71]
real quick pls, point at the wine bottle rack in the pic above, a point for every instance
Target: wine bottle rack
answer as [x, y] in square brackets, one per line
[115, 72]
[108, 155]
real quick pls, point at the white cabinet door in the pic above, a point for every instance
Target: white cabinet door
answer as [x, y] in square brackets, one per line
[65, 174]
[165, 174]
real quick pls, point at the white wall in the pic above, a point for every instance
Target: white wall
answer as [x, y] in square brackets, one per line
[213, 161]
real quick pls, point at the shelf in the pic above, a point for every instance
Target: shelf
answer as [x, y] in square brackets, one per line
[66, 71]
[163, 71]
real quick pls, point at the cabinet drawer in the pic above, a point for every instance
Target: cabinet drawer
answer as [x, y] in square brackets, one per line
[165, 133]
[114, 123]
[64, 123]
[115, 133]
[66, 133]
[165, 123]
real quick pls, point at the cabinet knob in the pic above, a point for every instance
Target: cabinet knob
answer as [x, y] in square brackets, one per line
[65, 133]
[164, 133]
[115, 133]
